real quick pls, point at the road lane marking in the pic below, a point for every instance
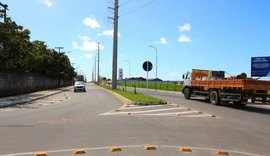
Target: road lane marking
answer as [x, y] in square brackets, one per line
[173, 113]
[141, 107]
[146, 111]
[212, 150]
[159, 110]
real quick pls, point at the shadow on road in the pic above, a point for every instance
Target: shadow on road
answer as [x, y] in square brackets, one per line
[255, 108]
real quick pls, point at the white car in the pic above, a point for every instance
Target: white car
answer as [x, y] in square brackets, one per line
[79, 86]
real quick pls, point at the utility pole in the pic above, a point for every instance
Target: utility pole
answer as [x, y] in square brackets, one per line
[115, 43]
[4, 11]
[95, 67]
[98, 65]
[59, 50]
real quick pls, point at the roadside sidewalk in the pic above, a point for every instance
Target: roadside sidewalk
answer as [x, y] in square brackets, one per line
[26, 98]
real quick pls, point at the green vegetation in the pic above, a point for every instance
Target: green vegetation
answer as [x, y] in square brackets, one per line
[137, 97]
[169, 86]
[18, 53]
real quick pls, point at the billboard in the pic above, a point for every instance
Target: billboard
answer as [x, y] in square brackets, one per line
[260, 66]
[120, 73]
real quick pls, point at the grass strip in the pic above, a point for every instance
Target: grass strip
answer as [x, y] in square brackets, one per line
[158, 86]
[138, 97]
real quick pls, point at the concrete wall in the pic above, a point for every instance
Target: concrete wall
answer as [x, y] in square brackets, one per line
[13, 83]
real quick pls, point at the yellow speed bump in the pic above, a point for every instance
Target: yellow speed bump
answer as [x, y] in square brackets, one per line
[41, 154]
[80, 151]
[150, 148]
[185, 149]
[115, 149]
[221, 152]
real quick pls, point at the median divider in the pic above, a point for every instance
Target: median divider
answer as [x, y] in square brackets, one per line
[185, 149]
[115, 149]
[124, 100]
[150, 148]
[139, 150]
[221, 152]
[128, 102]
[80, 151]
[41, 154]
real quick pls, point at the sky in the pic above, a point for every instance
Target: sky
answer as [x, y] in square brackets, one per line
[188, 34]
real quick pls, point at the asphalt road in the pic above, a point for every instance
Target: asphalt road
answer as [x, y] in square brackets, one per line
[96, 120]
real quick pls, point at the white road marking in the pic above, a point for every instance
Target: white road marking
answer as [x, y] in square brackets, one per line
[137, 146]
[146, 111]
[159, 110]
[174, 113]
[141, 107]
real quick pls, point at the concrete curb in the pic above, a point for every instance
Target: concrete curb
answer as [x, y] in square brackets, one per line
[126, 101]
[28, 100]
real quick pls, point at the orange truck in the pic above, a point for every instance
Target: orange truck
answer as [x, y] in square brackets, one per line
[213, 86]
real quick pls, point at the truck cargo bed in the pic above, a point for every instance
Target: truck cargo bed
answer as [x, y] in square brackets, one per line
[251, 85]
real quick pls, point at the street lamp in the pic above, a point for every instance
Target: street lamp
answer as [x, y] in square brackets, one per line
[129, 67]
[156, 61]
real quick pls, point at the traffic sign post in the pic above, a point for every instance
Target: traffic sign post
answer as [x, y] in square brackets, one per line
[147, 66]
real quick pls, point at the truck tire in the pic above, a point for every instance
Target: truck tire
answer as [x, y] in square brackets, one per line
[187, 93]
[214, 98]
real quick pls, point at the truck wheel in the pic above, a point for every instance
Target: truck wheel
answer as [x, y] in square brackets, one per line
[214, 98]
[187, 93]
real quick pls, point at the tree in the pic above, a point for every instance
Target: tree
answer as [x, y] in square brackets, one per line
[18, 53]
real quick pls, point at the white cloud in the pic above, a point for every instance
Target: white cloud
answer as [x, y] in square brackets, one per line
[108, 33]
[184, 28]
[184, 39]
[48, 3]
[162, 40]
[71, 58]
[87, 44]
[91, 21]
[88, 56]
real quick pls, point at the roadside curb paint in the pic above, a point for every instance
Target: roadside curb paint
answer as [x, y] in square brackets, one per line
[185, 149]
[150, 148]
[41, 154]
[115, 149]
[80, 151]
[221, 152]
[193, 149]
[28, 100]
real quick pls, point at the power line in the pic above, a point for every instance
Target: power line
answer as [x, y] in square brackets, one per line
[123, 4]
[138, 8]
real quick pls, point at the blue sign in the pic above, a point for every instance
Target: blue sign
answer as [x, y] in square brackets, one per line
[260, 66]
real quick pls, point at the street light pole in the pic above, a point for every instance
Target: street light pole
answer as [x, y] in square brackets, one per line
[129, 67]
[156, 61]
[98, 64]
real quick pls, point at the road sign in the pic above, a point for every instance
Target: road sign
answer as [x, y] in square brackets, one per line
[260, 66]
[147, 66]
